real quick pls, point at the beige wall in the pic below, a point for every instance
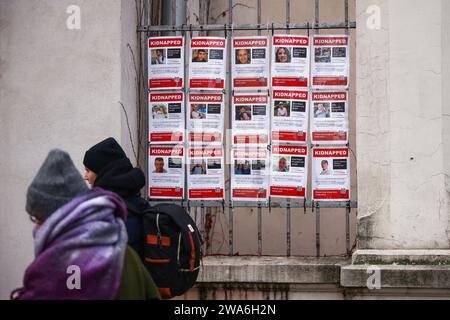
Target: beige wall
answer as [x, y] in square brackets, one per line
[402, 126]
[58, 88]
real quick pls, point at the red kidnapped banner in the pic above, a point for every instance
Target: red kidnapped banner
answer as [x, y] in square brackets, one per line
[165, 42]
[330, 153]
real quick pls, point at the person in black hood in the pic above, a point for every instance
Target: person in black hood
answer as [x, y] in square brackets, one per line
[108, 167]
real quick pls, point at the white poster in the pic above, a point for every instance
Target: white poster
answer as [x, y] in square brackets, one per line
[330, 66]
[249, 174]
[329, 117]
[250, 62]
[289, 116]
[290, 61]
[207, 63]
[205, 118]
[331, 174]
[250, 119]
[166, 117]
[165, 63]
[205, 173]
[289, 171]
[166, 172]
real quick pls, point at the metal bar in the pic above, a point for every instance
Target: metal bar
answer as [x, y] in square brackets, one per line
[144, 39]
[347, 229]
[230, 210]
[258, 12]
[259, 231]
[262, 26]
[316, 16]
[173, 12]
[288, 15]
[317, 230]
[202, 225]
[230, 230]
[249, 204]
[288, 229]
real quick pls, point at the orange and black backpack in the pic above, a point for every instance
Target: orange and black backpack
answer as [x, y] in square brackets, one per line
[172, 250]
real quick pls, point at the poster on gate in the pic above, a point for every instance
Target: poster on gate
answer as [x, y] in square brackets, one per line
[250, 119]
[250, 62]
[289, 114]
[289, 170]
[330, 61]
[205, 173]
[166, 172]
[166, 117]
[290, 61]
[331, 174]
[249, 174]
[165, 63]
[329, 117]
[207, 63]
[205, 118]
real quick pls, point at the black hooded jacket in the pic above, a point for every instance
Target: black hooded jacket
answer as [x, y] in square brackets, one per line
[120, 177]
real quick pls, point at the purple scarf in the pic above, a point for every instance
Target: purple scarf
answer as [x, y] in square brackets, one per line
[88, 233]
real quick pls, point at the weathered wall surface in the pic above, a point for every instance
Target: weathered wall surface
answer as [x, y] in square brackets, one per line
[402, 126]
[58, 88]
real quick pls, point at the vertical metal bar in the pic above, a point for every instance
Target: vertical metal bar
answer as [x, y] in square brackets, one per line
[317, 14]
[259, 230]
[258, 12]
[288, 15]
[346, 14]
[173, 13]
[317, 230]
[230, 230]
[288, 207]
[230, 97]
[347, 228]
[144, 39]
[202, 225]
[288, 228]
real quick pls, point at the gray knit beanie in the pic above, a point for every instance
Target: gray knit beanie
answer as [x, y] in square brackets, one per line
[56, 183]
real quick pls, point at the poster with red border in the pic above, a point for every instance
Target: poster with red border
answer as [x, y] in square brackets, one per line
[205, 167]
[290, 61]
[207, 63]
[166, 117]
[329, 117]
[330, 61]
[205, 118]
[250, 63]
[250, 119]
[166, 166]
[331, 174]
[250, 174]
[289, 171]
[165, 63]
[289, 114]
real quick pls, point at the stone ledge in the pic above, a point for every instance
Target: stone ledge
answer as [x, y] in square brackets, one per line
[397, 276]
[295, 270]
[404, 257]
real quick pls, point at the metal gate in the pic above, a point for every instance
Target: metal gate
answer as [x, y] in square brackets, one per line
[182, 27]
